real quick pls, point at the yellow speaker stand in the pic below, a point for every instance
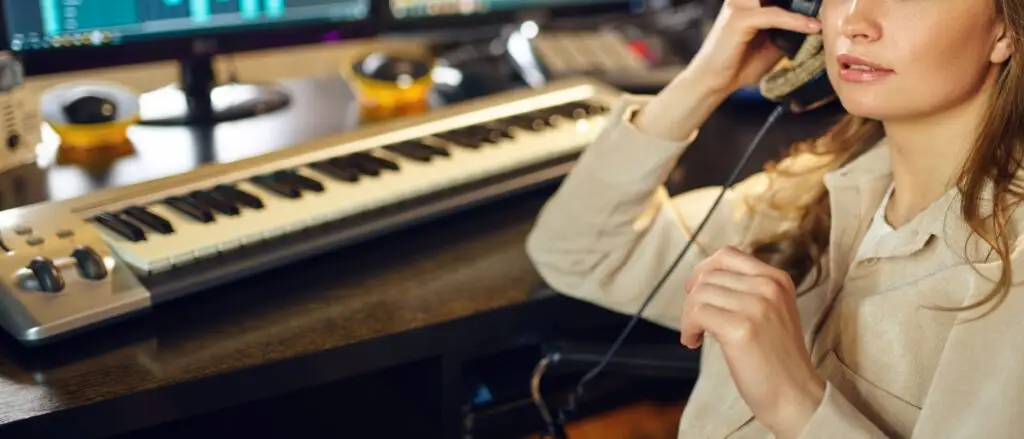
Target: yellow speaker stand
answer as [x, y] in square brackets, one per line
[94, 135]
[383, 99]
[96, 155]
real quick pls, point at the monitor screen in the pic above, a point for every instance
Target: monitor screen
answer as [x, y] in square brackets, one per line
[411, 9]
[34, 25]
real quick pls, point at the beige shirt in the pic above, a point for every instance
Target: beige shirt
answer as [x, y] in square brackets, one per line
[894, 368]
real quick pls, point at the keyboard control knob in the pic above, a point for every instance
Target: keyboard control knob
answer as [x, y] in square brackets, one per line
[47, 275]
[90, 264]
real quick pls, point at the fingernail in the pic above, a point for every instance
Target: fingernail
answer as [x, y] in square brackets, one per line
[814, 24]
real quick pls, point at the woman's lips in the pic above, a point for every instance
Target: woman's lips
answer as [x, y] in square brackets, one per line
[853, 68]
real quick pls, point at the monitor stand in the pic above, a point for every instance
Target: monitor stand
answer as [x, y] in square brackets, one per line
[200, 101]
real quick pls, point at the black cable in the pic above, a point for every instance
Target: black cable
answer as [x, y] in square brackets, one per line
[555, 428]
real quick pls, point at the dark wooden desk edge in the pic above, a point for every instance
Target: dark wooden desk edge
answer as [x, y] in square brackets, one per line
[478, 334]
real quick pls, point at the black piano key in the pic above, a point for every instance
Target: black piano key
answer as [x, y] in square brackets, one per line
[413, 150]
[223, 199]
[588, 109]
[435, 150]
[299, 180]
[118, 225]
[554, 114]
[578, 110]
[366, 163]
[489, 134]
[383, 163]
[149, 219]
[360, 163]
[461, 138]
[531, 123]
[282, 188]
[190, 208]
[339, 170]
[209, 201]
[500, 131]
[239, 196]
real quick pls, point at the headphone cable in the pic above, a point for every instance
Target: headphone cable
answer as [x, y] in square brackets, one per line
[555, 425]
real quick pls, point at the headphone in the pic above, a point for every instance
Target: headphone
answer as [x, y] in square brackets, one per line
[801, 84]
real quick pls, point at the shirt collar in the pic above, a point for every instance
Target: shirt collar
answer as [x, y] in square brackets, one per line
[870, 174]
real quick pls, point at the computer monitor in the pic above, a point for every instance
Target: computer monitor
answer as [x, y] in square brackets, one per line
[414, 14]
[53, 36]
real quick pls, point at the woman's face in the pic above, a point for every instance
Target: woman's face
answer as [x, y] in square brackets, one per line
[899, 59]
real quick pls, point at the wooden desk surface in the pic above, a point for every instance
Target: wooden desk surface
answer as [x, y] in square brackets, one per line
[456, 284]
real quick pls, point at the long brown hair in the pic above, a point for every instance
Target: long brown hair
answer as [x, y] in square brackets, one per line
[995, 159]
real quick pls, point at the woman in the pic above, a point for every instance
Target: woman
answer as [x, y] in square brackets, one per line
[863, 287]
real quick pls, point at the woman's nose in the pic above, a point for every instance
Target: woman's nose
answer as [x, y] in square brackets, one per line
[858, 20]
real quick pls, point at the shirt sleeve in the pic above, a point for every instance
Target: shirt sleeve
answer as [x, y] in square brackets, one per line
[836, 417]
[611, 231]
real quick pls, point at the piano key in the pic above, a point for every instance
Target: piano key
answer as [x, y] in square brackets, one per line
[414, 150]
[211, 202]
[358, 164]
[367, 164]
[239, 196]
[147, 218]
[193, 240]
[525, 122]
[298, 180]
[276, 186]
[436, 150]
[374, 161]
[121, 227]
[558, 114]
[190, 208]
[341, 171]
[197, 240]
[382, 162]
[461, 138]
[490, 133]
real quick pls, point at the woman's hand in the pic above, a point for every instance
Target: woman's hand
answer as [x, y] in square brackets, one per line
[735, 53]
[749, 307]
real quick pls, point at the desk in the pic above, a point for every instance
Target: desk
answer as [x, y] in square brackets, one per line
[457, 286]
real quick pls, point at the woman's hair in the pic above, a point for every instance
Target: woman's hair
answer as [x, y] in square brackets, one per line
[996, 158]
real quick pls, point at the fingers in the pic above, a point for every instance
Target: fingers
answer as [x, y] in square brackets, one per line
[733, 260]
[710, 296]
[760, 285]
[719, 322]
[774, 17]
[734, 282]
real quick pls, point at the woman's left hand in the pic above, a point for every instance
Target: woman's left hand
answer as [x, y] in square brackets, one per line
[749, 307]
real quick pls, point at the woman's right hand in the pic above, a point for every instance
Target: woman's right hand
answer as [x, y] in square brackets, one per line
[736, 52]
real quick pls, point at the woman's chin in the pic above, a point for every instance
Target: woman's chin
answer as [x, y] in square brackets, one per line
[869, 108]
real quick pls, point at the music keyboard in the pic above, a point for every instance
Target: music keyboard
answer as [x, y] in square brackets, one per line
[78, 263]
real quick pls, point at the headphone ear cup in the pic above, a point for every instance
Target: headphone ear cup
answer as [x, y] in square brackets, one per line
[786, 78]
